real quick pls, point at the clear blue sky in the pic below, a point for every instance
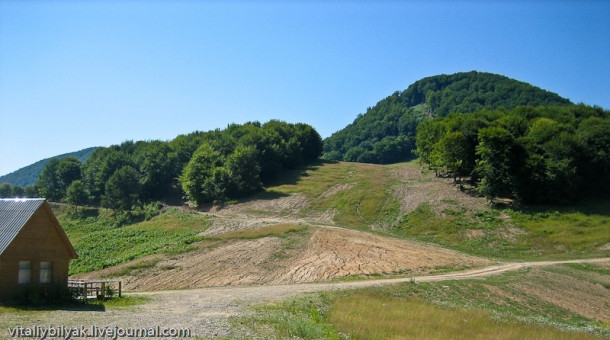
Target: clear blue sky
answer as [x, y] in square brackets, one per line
[75, 74]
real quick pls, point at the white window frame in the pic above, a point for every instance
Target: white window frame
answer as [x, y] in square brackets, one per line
[46, 272]
[25, 272]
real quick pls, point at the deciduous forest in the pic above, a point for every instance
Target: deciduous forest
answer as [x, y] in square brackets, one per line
[217, 165]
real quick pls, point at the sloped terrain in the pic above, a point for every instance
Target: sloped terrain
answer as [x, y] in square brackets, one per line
[321, 253]
[345, 220]
[322, 204]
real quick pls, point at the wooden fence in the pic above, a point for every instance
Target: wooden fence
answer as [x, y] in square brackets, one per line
[95, 289]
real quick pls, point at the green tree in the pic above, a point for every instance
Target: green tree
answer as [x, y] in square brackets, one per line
[551, 166]
[157, 165]
[454, 154]
[390, 150]
[68, 170]
[594, 162]
[18, 191]
[429, 133]
[6, 190]
[30, 191]
[122, 189]
[184, 146]
[102, 164]
[353, 154]
[310, 141]
[198, 178]
[499, 160]
[57, 175]
[243, 172]
[76, 194]
[49, 183]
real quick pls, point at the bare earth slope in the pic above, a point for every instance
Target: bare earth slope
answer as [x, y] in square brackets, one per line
[326, 253]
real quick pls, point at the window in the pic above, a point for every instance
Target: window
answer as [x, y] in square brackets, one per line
[25, 272]
[46, 270]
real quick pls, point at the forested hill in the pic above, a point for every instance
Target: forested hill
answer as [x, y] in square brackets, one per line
[28, 175]
[386, 132]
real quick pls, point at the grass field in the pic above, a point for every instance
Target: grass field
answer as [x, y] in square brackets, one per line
[516, 305]
[368, 317]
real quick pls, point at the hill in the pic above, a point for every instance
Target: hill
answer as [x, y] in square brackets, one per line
[29, 174]
[385, 133]
[330, 220]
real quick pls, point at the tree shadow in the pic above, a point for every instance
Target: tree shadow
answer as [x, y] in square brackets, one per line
[86, 212]
[588, 206]
[293, 177]
[289, 177]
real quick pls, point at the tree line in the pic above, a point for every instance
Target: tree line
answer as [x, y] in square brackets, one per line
[534, 154]
[203, 167]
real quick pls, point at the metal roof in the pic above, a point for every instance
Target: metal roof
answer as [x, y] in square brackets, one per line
[14, 214]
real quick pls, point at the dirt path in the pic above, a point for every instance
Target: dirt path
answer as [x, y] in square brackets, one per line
[283, 290]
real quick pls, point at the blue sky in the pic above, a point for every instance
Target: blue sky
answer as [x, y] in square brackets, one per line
[75, 74]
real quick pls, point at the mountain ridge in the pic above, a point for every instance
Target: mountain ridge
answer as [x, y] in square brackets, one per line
[384, 134]
[28, 175]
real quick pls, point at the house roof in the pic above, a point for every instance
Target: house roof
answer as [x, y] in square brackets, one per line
[15, 213]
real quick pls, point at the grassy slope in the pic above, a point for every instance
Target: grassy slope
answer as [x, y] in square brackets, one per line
[498, 307]
[367, 200]
[100, 243]
[364, 199]
[525, 234]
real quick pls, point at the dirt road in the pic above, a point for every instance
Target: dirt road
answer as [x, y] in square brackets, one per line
[209, 309]
[281, 291]
[207, 312]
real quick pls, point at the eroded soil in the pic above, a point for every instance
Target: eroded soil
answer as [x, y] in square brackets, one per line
[324, 253]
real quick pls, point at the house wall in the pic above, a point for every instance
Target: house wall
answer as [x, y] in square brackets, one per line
[37, 241]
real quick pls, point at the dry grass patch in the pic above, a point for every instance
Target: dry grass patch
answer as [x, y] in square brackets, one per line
[374, 317]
